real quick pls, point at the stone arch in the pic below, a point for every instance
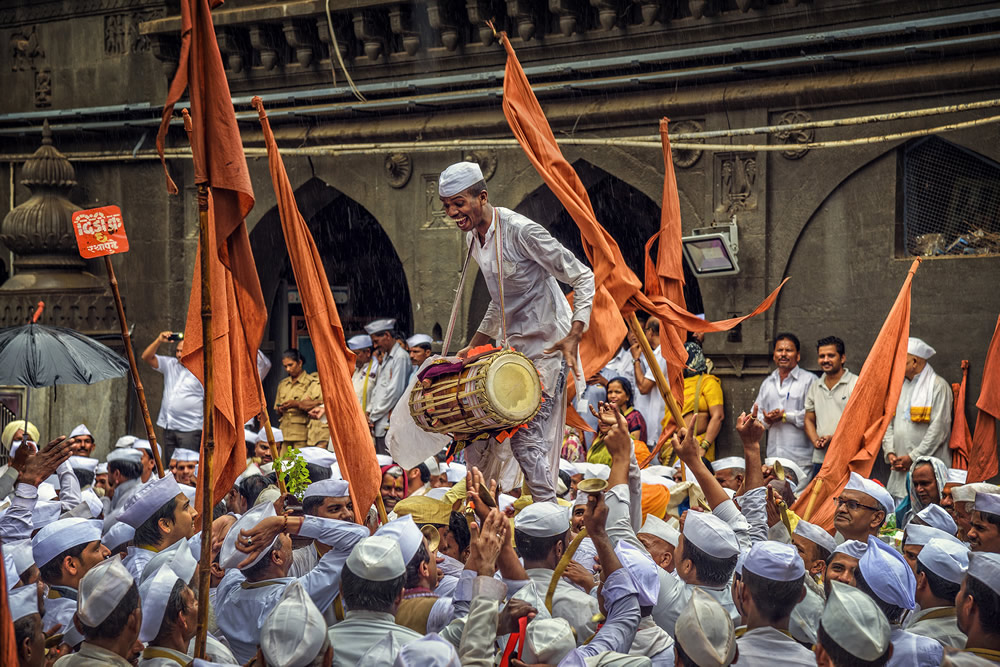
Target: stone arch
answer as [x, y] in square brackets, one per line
[360, 259]
[629, 214]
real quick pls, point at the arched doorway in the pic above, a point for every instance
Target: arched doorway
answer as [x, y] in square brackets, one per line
[629, 216]
[362, 267]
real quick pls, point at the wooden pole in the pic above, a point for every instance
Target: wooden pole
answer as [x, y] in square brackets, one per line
[661, 380]
[208, 440]
[136, 382]
[812, 498]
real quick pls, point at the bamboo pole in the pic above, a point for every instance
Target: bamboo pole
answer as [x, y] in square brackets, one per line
[208, 440]
[133, 367]
[812, 498]
[661, 380]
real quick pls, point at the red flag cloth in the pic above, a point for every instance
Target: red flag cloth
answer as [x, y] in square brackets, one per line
[8, 642]
[347, 422]
[665, 278]
[238, 311]
[983, 455]
[619, 291]
[960, 443]
[858, 437]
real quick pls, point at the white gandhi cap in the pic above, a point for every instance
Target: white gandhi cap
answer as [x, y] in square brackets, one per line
[459, 177]
[816, 535]
[542, 520]
[852, 548]
[185, 455]
[918, 535]
[774, 560]
[873, 489]
[23, 602]
[711, 534]
[83, 463]
[294, 632]
[956, 476]
[919, 348]
[327, 488]
[642, 570]
[949, 559]
[419, 339]
[988, 502]
[359, 342]
[148, 499]
[177, 557]
[154, 593]
[431, 650]
[657, 527]
[380, 325]
[101, 589]
[985, 567]
[938, 517]
[705, 631]
[404, 532]
[229, 555]
[376, 558]
[318, 456]
[125, 454]
[117, 535]
[548, 641]
[81, 429]
[855, 623]
[729, 463]
[61, 535]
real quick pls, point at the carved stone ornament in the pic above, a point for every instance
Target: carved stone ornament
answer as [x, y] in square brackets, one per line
[735, 182]
[434, 215]
[485, 158]
[24, 49]
[683, 158]
[43, 87]
[792, 137]
[398, 169]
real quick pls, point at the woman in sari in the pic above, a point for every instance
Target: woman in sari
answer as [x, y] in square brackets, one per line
[620, 395]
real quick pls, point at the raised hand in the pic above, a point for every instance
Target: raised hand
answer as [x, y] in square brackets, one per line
[750, 428]
[34, 468]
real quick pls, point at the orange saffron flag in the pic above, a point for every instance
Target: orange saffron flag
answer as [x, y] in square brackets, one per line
[8, 641]
[238, 311]
[983, 455]
[619, 291]
[347, 422]
[960, 443]
[870, 409]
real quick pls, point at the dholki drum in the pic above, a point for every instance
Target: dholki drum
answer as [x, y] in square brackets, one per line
[495, 392]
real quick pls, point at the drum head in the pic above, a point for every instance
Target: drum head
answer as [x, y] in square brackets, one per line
[513, 387]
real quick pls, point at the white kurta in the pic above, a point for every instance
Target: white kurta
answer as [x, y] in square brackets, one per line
[911, 650]
[390, 383]
[362, 389]
[360, 630]
[788, 439]
[653, 642]
[157, 656]
[942, 626]
[304, 559]
[652, 405]
[91, 655]
[766, 646]
[135, 561]
[905, 437]
[568, 602]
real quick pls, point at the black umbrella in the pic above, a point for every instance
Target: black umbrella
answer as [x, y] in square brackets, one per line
[35, 355]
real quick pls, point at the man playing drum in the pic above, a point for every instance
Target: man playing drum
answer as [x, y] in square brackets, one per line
[539, 321]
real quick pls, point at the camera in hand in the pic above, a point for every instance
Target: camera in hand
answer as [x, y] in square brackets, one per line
[176, 336]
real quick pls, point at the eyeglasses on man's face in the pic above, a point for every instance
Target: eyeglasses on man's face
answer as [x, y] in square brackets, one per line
[854, 505]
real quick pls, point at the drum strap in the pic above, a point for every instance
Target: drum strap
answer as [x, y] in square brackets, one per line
[458, 302]
[498, 240]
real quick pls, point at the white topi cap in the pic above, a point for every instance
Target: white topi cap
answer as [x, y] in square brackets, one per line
[917, 535]
[729, 463]
[250, 436]
[185, 455]
[774, 560]
[855, 623]
[642, 570]
[101, 469]
[142, 444]
[956, 476]
[938, 517]
[404, 532]
[101, 590]
[705, 631]
[657, 527]
[294, 632]
[23, 602]
[548, 641]
[177, 557]
[459, 177]
[276, 432]
[148, 499]
[984, 566]
[125, 441]
[125, 454]
[919, 348]
[542, 520]
[318, 456]
[83, 463]
[117, 535]
[949, 559]
[888, 574]
[852, 548]
[376, 558]
[81, 429]
[359, 342]
[987, 502]
[456, 472]
[154, 593]
[431, 650]
[569, 468]
[711, 534]
[61, 535]
[20, 555]
[229, 555]
[419, 339]
[327, 488]
[380, 325]
[967, 492]
[873, 489]
[816, 535]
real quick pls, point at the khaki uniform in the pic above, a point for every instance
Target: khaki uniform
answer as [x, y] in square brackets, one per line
[294, 423]
[318, 433]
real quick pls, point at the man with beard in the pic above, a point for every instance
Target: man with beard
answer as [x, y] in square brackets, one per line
[826, 399]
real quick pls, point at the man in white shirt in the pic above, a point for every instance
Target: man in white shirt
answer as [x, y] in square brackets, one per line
[922, 424]
[181, 410]
[826, 399]
[390, 380]
[781, 399]
[535, 313]
[648, 401]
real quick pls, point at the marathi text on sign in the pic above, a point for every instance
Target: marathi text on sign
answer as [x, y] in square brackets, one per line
[100, 232]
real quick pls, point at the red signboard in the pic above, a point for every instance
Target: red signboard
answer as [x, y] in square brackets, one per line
[100, 232]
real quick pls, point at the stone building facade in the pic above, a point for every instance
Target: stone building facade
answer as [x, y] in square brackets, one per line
[842, 222]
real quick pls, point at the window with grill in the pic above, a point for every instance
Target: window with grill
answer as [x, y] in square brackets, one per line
[951, 200]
